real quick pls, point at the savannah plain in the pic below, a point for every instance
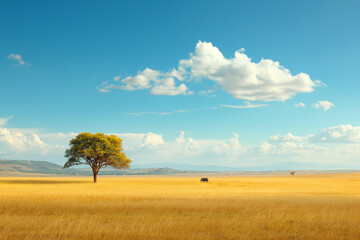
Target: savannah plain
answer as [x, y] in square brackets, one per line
[142, 208]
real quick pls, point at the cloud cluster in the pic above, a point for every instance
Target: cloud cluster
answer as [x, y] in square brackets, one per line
[16, 142]
[139, 140]
[287, 138]
[244, 79]
[337, 134]
[324, 105]
[337, 145]
[158, 83]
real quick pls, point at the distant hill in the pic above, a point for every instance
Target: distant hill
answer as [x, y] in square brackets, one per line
[38, 168]
[284, 166]
[16, 167]
[42, 167]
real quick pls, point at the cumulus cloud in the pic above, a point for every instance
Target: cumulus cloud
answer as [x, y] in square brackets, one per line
[325, 105]
[244, 79]
[158, 83]
[266, 80]
[300, 105]
[140, 140]
[287, 138]
[17, 58]
[153, 145]
[3, 121]
[16, 142]
[192, 151]
[298, 151]
[231, 152]
[338, 134]
[56, 139]
[167, 87]
[336, 145]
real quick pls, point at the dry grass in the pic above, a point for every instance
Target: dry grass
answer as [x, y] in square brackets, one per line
[141, 208]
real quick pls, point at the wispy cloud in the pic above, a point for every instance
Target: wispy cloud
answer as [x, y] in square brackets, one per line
[159, 113]
[247, 105]
[17, 58]
[3, 121]
[171, 112]
[300, 105]
[208, 93]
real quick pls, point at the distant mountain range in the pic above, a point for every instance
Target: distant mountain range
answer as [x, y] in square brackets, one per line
[21, 167]
[16, 167]
[284, 166]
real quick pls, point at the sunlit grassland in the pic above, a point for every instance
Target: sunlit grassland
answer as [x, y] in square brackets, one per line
[255, 207]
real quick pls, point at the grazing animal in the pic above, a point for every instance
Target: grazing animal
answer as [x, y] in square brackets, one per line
[292, 173]
[204, 179]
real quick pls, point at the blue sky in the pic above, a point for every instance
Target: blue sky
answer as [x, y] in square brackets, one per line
[56, 56]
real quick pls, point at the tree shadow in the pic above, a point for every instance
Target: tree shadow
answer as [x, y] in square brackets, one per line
[41, 182]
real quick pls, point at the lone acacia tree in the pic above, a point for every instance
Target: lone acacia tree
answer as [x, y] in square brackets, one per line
[97, 150]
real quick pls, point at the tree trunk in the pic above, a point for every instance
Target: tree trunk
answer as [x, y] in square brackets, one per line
[95, 175]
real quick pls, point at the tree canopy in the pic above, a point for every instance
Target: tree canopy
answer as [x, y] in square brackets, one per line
[97, 150]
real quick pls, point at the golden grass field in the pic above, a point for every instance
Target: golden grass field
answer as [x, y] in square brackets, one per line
[140, 208]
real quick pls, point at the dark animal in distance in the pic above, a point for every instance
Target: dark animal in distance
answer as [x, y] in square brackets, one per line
[204, 179]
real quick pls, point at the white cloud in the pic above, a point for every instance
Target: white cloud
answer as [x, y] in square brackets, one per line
[140, 140]
[244, 79]
[325, 105]
[103, 87]
[247, 105]
[338, 134]
[208, 93]
[292, 151]
[167, 87]
[160, 113]
[335, 145]
[17, 58]
[60, 139]
[287, 138]
[300, 105]
[159, 83]
[171, 112]
[190, 150]
[16, 142]
[265, 147]
[320, 83]
[3, 121]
